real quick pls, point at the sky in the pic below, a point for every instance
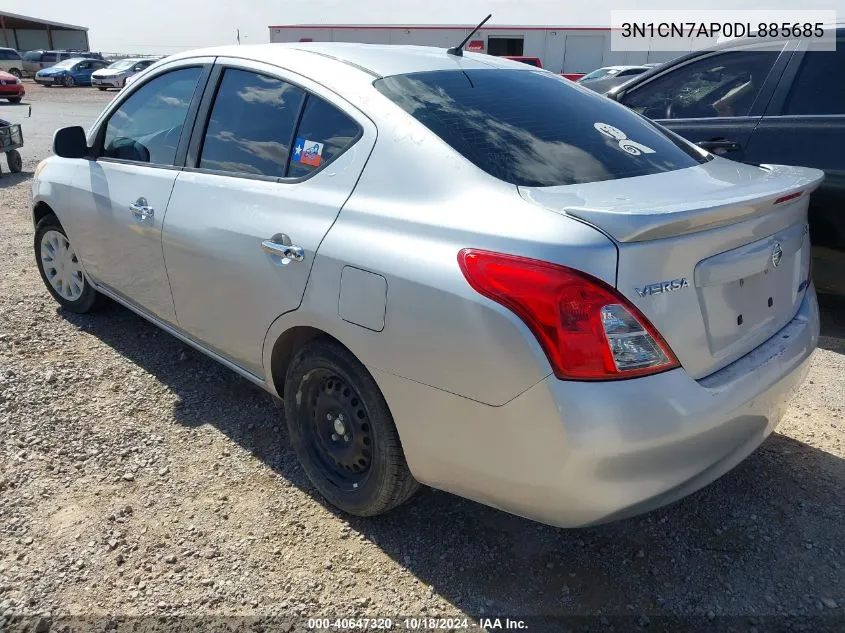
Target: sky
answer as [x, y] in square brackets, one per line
[162, 27]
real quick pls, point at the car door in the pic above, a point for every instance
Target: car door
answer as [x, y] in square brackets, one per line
[121, 194]
[805, 125]
[81, 73]
[714, 99]
[266, 176]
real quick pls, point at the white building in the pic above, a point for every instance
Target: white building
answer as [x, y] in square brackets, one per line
[561, 49]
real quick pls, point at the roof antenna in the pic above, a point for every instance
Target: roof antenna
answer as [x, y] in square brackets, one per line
[458, 51]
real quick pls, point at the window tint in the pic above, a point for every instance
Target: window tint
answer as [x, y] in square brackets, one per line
[323, 134]
[32, 56]
[722, 85]
[492, 118]
[251, 125]
[147, 126]
[49, 57]
[818, 88]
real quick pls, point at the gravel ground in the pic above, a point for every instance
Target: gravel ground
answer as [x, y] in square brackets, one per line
[138, 477]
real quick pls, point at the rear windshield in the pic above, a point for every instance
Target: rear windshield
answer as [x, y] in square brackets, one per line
[535, 129]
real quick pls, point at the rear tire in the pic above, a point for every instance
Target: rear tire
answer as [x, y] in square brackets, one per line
[60, 270]
[101, 88]
[343, 433]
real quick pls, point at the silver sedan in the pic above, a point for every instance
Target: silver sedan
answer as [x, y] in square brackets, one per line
[454, 270]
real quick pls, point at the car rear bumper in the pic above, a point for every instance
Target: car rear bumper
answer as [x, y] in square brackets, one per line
[574, 454]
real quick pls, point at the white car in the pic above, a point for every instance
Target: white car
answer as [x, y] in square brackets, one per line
[117, 74]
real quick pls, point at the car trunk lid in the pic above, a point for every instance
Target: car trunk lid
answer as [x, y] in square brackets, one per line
[716, 256]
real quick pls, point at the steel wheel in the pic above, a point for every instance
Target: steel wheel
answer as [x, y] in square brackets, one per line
[342, 431]
[341, 436]
[61, 266]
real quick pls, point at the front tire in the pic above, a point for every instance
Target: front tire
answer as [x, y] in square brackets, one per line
[60, 269]
[343, 433]
[15, 99]
[69, 82]
[15, 72]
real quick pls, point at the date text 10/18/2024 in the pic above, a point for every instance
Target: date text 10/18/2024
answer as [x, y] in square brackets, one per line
[415, 624]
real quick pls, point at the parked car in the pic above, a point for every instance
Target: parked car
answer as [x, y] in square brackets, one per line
[531, 61]
[587, 316]
[70, 72]
[116, 73]
[11, 88]
[11, 62]
[783, 106]
[603, 79]
[36, 60]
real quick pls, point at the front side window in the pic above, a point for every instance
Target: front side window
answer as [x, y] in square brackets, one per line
[251, 126]
[323, 134]
[148, 125]
[720, 85]
[535, 129]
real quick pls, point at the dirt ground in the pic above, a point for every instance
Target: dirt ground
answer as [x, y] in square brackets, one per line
[139, 478]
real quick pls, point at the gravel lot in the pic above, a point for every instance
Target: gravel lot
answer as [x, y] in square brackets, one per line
[139, 477]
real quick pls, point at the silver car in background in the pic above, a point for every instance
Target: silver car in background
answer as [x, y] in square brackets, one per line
[454, 270]
[117, 73]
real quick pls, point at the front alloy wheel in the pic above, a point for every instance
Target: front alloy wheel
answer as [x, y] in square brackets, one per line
[68, 81]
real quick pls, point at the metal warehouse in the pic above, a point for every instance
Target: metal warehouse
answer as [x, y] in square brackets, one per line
[25, 34]
[562, 49]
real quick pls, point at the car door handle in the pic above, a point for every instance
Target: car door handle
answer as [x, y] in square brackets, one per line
[141, 210]
[719, 146]
[288, 252]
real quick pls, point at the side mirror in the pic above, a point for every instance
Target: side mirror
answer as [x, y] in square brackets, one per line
[70, 142]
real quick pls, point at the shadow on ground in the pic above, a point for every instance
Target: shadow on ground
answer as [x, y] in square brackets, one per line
[8, 179]
[764, 539]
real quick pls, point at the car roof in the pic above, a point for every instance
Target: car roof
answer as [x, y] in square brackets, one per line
[379, 60]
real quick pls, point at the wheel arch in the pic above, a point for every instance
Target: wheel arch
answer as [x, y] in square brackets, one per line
[40, 211]
[283, 343]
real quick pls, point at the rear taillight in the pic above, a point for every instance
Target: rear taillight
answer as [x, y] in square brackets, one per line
[586, 328]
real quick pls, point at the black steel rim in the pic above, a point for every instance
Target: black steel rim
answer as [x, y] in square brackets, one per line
[339, 432]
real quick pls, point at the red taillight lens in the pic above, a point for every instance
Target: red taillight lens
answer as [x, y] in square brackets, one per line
[586, 328]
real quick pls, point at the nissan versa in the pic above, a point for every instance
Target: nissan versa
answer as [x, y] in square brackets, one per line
[455, 270]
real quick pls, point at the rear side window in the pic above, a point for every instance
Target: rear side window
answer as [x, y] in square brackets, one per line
[532, 128]
[323, 134]
[818, 88]
[32, 56]
[251, 125]
[49, 57]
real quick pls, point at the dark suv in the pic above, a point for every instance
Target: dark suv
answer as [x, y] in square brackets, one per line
[784, 106]
[33, 61]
